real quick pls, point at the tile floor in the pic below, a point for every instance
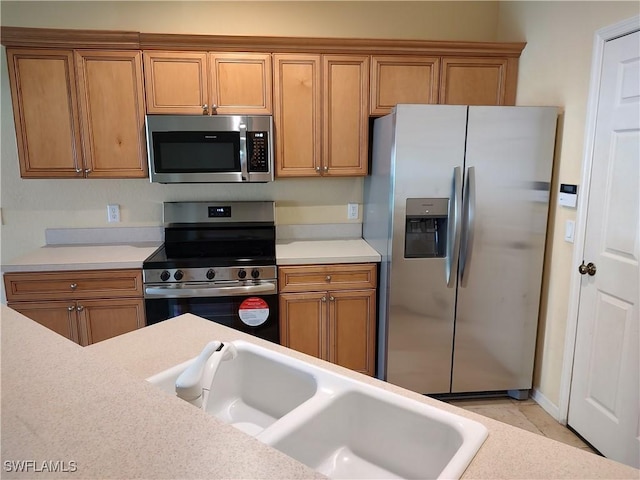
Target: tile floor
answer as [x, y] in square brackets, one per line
[526, 414]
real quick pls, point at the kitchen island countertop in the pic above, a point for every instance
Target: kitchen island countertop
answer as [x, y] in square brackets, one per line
[92, 406]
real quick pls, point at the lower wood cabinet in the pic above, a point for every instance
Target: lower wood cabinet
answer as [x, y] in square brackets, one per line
[85, 306]
[329, 312]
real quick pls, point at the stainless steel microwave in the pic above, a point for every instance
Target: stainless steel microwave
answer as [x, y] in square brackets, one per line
[210, 148]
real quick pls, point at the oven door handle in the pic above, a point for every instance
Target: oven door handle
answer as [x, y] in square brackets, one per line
[216, 291]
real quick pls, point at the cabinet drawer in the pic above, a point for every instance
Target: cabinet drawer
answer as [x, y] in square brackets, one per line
[73, 285]
[313, 278]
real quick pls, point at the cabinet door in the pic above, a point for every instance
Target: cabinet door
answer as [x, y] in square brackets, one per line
[45, 110]
[57, 316]
[346, 115]
[352, 329]
[303, 324]
[112, 113]
[241, 83]
[477, 81]
[176, 82]
[297, 114]
[398, 79]
[102, 319]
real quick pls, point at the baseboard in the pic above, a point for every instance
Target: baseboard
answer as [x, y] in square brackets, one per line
[546, 404]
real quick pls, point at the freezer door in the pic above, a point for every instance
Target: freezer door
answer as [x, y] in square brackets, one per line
[428, 146]
[506, 198]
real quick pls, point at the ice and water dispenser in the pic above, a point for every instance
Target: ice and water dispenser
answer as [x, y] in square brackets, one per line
[426, 228]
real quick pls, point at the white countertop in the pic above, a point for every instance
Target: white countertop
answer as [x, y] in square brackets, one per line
[304, 252]
[100, 257]
[82, 257]
[92, 406]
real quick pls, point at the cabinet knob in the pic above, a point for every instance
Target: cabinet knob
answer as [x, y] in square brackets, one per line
[73, 286]
[87, 171]
[205, 109]
[324, 299]
[79, 308]
[328, 278]
[326, 169]
[78, 170]
[331, 299]
[214, 109]
[71, 308]
[318, 169]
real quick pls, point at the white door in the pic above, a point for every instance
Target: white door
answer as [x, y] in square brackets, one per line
[604, 404]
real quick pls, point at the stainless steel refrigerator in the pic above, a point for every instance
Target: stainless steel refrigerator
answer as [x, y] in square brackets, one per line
[457, 204]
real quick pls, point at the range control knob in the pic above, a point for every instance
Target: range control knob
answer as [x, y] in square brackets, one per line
[242, 274]
[164, 276]
[178, 275]
[255, 273]
[210, 274]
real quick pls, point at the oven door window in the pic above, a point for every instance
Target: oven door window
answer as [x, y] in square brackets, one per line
[196, 152]
[256, 315]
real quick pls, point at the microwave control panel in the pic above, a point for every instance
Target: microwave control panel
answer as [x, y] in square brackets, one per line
[258, 151]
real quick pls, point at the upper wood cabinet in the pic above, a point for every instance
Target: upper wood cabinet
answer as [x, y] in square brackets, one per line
[400, 79]
[321, 114]
[202, 82]
[45, 110]
[297, 114]
[78, 114]
[111, 92]
[345, 138]
[477, 81]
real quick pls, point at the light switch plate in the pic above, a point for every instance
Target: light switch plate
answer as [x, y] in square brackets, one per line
[569, 230]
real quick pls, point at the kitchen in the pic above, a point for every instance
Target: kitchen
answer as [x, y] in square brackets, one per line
[550, 49]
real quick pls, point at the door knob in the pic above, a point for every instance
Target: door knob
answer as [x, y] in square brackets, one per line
[589, 268]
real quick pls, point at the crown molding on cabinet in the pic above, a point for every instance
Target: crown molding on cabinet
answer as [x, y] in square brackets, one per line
[107, 39]
[60, 38]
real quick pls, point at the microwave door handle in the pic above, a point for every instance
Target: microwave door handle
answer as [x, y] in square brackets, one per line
[244, 170]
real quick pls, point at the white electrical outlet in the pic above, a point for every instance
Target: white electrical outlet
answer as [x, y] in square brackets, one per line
[352, 211]
[113, 213]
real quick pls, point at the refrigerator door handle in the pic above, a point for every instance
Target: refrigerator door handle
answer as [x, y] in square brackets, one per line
[455, 220]
[469, 217]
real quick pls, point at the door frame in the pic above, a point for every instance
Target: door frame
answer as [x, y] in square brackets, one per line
[601, 36]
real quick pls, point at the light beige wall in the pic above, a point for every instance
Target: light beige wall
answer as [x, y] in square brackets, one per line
[555, 70]
[30, 206]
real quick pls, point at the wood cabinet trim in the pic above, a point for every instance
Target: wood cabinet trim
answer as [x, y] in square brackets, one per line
[66, 38]
[107, 39]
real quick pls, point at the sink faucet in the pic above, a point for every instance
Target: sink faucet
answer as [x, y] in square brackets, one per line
[194, 383]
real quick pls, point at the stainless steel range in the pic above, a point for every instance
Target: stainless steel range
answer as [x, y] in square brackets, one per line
[217, 262]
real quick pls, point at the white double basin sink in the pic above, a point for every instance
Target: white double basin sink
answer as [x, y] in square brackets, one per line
[338, 426]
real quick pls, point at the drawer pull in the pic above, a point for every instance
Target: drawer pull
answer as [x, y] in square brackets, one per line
[73, 286]
[328, 279]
